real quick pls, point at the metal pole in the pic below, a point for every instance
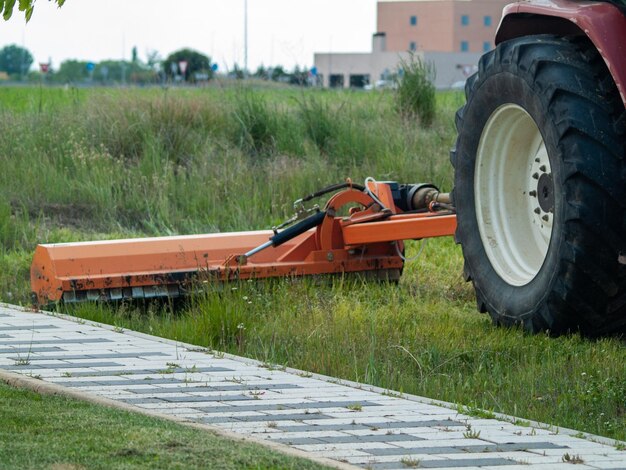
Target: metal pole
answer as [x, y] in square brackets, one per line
[245, 37]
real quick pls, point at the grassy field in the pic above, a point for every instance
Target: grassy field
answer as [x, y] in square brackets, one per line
[40, 431]
[94, 164]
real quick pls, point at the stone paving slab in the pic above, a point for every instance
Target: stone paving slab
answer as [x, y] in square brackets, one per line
[349, 422]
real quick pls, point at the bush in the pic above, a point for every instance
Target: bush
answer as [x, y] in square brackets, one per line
[320, 122]
[257, 123]
[415, 93]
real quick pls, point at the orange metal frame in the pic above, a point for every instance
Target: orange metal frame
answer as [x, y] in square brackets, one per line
[363, 241]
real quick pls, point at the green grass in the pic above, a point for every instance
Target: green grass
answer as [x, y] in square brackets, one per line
[40, 431]
[156, 162]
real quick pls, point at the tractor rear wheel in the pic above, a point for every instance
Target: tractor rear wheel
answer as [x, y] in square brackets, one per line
[540, 189]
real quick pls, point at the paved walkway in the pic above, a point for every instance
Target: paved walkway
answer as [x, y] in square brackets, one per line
[347, 422]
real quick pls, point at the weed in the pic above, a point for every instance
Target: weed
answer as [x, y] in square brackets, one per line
[258, 124]
[620, 446]
[272, 424]
[415, 92]
[355, 407]
[471, 433]
[410, 462]
[22, 361]
[172, 367]
[320, 121]
[66, 374]
[573, 459]
[475, 412]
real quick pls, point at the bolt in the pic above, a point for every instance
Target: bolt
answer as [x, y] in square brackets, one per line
[537, 159]
[536, 176]
[537, 211]
[546, 218]
[543, 168]
[533, 193]
[330, 256]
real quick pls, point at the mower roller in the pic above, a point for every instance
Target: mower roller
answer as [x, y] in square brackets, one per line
[368, 238]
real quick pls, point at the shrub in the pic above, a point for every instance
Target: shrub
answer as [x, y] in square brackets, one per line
[415, 92]
[320, 122]
[257, 123]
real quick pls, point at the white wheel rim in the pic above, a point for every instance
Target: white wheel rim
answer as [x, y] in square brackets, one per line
[515, 227]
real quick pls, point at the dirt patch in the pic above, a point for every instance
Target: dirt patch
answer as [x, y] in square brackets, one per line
[66, 466]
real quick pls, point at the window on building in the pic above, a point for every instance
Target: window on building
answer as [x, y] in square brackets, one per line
[413, 46]
[336, 81]
[464, 46]
[486, 46]
[487, 20]
[359, 81]
[413, 20]
[464, 20]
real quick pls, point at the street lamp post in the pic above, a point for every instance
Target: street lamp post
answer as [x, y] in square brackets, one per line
[245, 37]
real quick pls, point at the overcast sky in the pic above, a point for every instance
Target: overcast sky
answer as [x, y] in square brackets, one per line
[285, 32]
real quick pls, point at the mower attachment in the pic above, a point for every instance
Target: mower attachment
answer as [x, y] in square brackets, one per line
[368, 239]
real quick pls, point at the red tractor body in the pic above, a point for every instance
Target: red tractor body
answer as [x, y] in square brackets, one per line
[602, 22]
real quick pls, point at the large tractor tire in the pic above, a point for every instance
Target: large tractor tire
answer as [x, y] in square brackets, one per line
[540, 187]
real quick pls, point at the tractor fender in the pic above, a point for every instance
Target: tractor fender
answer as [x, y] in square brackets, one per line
[603, 23]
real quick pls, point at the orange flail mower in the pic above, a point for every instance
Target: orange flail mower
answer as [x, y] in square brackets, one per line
[379, 216]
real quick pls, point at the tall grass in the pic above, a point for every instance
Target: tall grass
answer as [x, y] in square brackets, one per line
[415, 97]
[110, 164]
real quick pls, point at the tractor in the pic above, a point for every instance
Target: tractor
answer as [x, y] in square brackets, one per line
[540, 189]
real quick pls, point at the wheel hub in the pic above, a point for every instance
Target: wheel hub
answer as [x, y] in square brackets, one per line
[545, 193]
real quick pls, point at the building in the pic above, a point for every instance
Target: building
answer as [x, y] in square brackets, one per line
[449, 34]
[439, 25]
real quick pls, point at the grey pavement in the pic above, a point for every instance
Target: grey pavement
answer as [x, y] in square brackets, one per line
[348, 422]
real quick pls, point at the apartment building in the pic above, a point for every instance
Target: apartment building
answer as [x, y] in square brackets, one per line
[449, 34]
[439, 25]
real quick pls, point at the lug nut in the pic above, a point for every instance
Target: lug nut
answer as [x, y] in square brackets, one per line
[543, 168]
[537, 211]
[537, 160]
[536, 176]
[546, 218]
[533, 193]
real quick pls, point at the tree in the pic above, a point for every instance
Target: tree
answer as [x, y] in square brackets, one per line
[278, 74]
[71, 71]
[261, 72]
[299, 77]
[153, 59]
[27, 6]
[15, 60]
[196, 63]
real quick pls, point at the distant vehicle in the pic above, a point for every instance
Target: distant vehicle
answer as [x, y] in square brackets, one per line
[460, 85]
[380, 85]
